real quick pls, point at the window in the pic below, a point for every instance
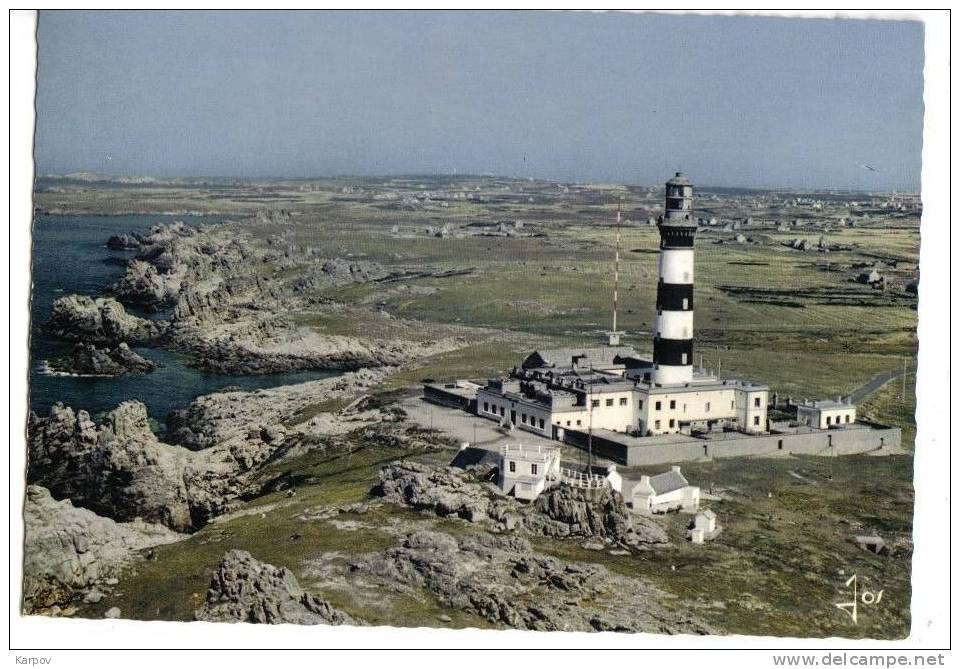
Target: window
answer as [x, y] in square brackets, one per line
[756, 420]
[641, 404]
[502, 412]
[594, 403]
[707, 407]
[623, 401]
[578, 423]
[673, 404]
[828, 420]
[541, 423]
[568, 423]
[513, 466]
[610, 402]
[731, 405]
[756, 402]
[657, 406]
[686, 304]
[523, 418]
[683, 358]
[779, 444]
[672, 422]
[846, 419]
[533, 469]
[656, 424]
[486, 407]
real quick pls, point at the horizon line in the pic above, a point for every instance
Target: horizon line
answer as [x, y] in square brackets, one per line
[108, 178]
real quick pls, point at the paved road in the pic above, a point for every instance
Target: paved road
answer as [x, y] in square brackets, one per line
[875, 384]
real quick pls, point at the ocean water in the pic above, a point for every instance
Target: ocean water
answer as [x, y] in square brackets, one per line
[70, 256]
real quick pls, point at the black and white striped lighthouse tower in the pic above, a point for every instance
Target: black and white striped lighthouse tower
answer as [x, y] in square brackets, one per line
[673, 342]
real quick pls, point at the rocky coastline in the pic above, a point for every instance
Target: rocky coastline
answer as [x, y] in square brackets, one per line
[88, 360]
[228, 312]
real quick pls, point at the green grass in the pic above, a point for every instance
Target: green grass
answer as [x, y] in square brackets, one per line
[888, 405]
[780, 563]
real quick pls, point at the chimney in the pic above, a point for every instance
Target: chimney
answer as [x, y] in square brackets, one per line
[675, 468]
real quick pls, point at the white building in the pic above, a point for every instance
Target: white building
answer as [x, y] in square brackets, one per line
[704, 527]
[664, 492]
[548, 401]
[826, 414]
[525, 470]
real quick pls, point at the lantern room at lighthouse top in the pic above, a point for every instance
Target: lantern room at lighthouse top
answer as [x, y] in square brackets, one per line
[679, 200]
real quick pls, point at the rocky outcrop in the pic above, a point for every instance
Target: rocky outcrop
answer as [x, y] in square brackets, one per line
[561, 511]
[564, 511]
[221, 417]
[173, 258]
[70, 553]
[243, 589]
[121, 470]
[124, 242]
[339, 272]
[144, 284]
[445, 492]
[100, 320]
[88, 360]
[502, 580]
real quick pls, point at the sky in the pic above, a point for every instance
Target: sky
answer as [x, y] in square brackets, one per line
[615, 97]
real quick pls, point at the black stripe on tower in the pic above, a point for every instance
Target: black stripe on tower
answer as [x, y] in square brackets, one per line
[671, 351]
[676, 237]
[670, 296]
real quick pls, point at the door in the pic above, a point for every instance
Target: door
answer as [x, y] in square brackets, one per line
[513, 416]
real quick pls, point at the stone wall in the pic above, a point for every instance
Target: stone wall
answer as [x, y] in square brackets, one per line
[825, 443]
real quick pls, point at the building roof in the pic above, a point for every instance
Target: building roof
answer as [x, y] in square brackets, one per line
[680, 179]
[708, 513]
[530, 453]
[827, 404]
[705, 385]
[668, 482]
[599, 356]
[473, 456]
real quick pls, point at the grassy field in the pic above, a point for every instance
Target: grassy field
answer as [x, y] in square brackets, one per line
[795, 320]
[765, 311]
[778, 567]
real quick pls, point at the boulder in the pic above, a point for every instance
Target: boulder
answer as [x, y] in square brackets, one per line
[502, 580]
[243, 589]
[68, 550]
[100, 320]
[444, 491]
[88, 360]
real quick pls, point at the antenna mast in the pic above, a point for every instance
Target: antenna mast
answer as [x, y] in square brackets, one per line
[614, 334]
[616, 269]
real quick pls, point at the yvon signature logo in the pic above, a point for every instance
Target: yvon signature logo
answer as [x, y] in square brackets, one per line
[865, 597]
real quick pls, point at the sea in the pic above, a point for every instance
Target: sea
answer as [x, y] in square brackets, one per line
[70, 256]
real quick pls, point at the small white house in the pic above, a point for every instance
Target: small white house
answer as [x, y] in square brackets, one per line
[827, 414]
[665, 492]
[704, 527]
[524, 470]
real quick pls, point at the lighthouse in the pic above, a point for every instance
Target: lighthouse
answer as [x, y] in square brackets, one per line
[673, 339]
